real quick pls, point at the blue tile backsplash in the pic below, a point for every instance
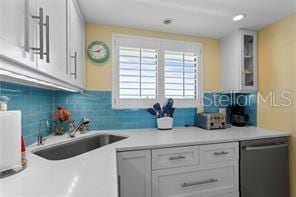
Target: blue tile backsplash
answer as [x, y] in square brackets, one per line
[37, 104]
[97, 106]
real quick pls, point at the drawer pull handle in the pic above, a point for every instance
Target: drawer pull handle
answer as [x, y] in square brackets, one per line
[199, 182]
[177, 158]
[251, 148]
[221, 153]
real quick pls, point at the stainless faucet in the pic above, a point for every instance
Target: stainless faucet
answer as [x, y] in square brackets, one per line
[40, 138]
[74, 129]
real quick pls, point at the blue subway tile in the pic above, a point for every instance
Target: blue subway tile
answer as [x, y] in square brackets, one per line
[36, 104]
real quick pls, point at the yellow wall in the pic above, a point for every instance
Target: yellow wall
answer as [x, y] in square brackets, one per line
[99, 77]
[277, 72]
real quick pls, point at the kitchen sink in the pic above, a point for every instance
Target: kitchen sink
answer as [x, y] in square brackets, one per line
[77, 147]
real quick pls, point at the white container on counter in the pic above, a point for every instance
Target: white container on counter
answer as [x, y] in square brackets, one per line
[165, 123]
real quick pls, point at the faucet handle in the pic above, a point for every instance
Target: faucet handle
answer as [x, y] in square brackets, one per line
[71, 125]
[40, 137]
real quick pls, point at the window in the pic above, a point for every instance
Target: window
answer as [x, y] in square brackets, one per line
[180, 77]
[137, 73]
[147, 70]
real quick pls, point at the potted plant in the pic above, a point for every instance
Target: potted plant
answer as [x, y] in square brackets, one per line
[61, 117]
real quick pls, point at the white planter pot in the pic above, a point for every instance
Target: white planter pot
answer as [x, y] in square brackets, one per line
[165, 123]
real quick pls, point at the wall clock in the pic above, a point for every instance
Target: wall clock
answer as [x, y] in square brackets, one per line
[98, 52]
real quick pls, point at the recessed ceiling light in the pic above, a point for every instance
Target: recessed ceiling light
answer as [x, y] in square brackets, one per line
[239, 17]
[167, 21]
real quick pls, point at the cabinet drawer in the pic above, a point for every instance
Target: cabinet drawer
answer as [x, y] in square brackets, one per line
[201, 181]
[175, 157]
[219, 152]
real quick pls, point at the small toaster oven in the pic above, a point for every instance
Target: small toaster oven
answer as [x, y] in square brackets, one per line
[211, 121]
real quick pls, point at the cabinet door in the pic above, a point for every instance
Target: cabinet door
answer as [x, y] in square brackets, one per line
[134, 169]
[249, 60]
[17, 31]
[76, 58]
[230, 62]
[55, 35]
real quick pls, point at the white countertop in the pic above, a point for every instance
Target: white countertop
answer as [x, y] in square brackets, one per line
[94, 173]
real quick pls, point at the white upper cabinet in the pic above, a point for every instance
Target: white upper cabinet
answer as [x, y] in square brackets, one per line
[249, 60]
[17, 31]
[239, 61]
[46, 36]
[76, 46]
[54, 62]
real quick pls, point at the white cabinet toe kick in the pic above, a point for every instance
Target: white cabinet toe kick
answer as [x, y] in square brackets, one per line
[191, 171]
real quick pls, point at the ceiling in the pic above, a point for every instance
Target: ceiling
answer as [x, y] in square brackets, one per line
[210, 18]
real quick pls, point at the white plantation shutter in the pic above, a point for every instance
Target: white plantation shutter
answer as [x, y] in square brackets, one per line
[137, 73]
[180, 75]
[148, 70]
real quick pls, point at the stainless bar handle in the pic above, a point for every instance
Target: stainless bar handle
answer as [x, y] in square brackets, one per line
[177, 157]
[40, 17]
[221, 153]
[199, 182]
[47, 39]
[75, 64]
[250, 148]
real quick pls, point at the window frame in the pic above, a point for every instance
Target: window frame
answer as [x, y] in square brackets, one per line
[161, 45]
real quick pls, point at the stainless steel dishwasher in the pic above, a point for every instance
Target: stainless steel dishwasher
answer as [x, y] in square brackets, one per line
[264, 168]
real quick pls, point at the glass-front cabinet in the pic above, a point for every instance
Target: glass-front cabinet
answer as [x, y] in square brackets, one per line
[239, 61]
[249, 60]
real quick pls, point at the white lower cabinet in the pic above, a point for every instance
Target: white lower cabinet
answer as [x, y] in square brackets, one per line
[190, 171]
[201, 181]
[134, 173]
